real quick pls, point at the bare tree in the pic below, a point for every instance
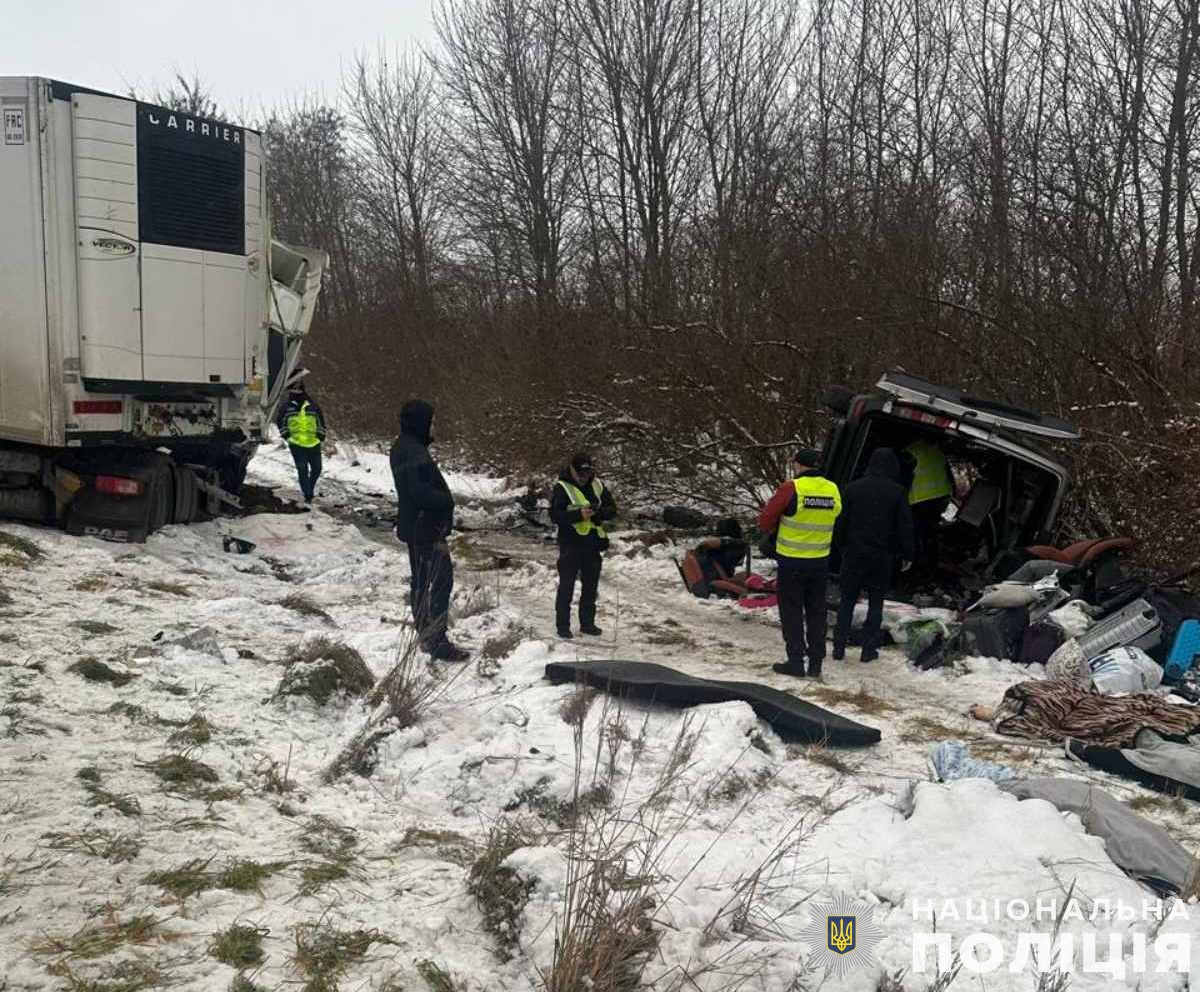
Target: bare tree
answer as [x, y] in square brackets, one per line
[403, 162]
[505, 67]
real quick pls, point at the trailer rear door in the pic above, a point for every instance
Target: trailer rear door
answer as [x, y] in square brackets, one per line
[24, 356]
[106, 211]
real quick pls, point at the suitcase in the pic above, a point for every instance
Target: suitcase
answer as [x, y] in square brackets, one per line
[1137, 625]
[1184, 651]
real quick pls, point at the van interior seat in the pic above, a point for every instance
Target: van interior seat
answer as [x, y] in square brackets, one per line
[1081, 552]
[983, 498]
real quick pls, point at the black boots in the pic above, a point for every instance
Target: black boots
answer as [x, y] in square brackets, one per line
[446, 651]
[839, 651]
[565, 633]
[796, 671]
[590, 629]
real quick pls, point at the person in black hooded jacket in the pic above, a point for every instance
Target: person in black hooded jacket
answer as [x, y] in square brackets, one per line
[579, 504]
[874, 529]
[424, 517]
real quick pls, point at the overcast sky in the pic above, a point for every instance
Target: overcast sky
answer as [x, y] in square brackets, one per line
[252, 53]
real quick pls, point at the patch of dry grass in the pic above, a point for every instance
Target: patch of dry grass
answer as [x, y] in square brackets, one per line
[398, 701]
[322, 953]
[320, 668]
[18, 552]
[498, 891]
[94, 670]
[99, 843]
[861, 698]
[302, 605]
[926, 730]
[169, 588]
[239, 946]
[178, 771]
[101, 937]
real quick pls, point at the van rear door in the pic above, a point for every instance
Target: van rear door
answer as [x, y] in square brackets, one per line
[968, 409]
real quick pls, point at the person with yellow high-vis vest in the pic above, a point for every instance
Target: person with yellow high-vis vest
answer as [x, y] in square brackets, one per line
[303, 428]
[929, 494]
[580, 504]
[802, 515]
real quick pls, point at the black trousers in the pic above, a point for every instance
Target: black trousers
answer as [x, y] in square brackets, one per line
[802, 610]
[582, 564]
[927, 518]
[872, 576]
[308, 468]
[432, 582]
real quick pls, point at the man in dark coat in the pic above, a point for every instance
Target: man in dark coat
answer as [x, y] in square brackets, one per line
[424, 517]
[875, 528]
[579, 504]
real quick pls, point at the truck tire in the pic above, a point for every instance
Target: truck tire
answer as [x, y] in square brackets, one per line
[161, 484]
[187, 494]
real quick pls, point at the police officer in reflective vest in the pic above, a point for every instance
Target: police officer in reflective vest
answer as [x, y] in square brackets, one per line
[580, 505]
[303, 427]
[801, 514]
[928, 496]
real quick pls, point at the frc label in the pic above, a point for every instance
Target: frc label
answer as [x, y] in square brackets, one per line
[14, 125]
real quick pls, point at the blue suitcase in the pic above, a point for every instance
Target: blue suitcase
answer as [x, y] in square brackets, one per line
[1184, 651]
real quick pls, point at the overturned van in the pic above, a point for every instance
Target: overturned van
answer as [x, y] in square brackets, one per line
[1008, 492]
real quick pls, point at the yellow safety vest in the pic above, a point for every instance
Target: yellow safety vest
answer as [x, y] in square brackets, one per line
[808, 533]
[578, 499]
[931, 478]
[302, 428]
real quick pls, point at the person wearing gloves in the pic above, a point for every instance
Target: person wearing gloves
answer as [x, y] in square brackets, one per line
[580, 505]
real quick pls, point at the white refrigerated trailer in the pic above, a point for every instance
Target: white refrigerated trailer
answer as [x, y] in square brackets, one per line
[148, 321]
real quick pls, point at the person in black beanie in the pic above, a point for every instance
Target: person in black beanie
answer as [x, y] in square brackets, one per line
[580, 505]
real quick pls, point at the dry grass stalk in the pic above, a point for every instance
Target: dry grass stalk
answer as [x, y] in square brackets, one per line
[399, 700]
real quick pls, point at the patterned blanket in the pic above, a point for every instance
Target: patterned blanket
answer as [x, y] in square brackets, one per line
[1054, 711]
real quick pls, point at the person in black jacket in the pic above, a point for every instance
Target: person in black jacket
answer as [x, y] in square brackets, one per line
[424, 517]
[875, 528]
[579, 504]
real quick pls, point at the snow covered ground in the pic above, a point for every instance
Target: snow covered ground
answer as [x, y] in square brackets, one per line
[123, 867]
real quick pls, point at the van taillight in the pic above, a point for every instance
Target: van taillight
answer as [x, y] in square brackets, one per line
[858, 409]
[114, 485]
[97, 406]
[908, 413]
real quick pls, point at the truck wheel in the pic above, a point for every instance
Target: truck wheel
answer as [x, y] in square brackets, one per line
[162, 494]
[186, 495]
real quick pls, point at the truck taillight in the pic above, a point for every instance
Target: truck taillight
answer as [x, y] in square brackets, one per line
[97, 406]
[114, 485]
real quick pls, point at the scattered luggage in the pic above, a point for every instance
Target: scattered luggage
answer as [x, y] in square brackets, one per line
[1184, 651]
[1124, 670]
[1136, 625]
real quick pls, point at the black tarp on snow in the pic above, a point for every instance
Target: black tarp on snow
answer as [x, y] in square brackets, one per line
[791, 717]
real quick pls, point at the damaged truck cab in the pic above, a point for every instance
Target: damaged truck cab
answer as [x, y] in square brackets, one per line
[1008, 492]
